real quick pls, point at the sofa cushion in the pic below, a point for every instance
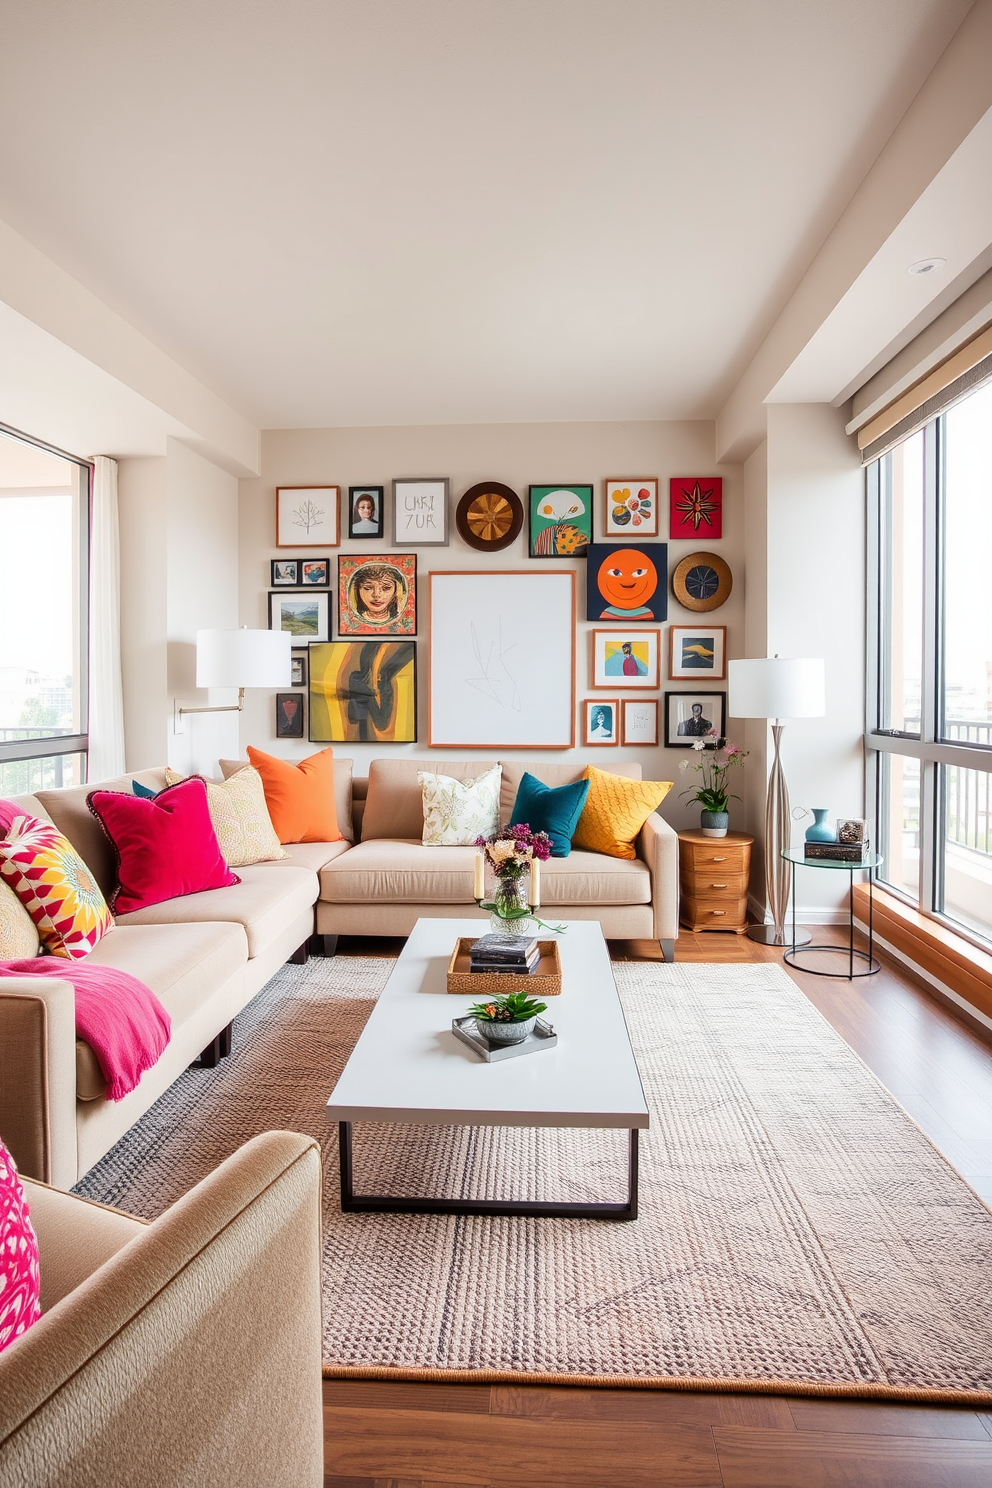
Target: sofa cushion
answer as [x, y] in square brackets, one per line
[299, 795]
[182, 964]
[554, 809]
[547, 773]
[312, 854]
[384, 871]
[615, 811]
[165, 848]
[458, 812]
[55, 886]
[20, 1280]
[19, 936]
[67, 808]
[240, 817]
[395, 805]
[262, 902]
[342, 791]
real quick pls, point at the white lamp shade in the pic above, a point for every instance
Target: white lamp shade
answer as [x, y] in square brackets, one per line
[243, 658]
[776, 687]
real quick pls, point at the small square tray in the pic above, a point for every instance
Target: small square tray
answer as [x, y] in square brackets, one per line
[466, 1029]
[544, 982]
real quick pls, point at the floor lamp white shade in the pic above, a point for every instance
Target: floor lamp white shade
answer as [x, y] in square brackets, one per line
[777, 687]
[243, 658]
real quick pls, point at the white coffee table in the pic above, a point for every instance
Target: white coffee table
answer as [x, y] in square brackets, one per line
[408, 1067]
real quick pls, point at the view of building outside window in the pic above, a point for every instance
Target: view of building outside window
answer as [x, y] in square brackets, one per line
[42, 634]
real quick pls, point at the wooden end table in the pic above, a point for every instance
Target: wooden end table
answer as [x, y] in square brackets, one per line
[713, 875]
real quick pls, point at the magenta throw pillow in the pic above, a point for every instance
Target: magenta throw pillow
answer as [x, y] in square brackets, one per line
[165, 848]
[20, 1277]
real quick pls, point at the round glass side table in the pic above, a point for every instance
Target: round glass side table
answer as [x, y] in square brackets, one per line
[868, 863]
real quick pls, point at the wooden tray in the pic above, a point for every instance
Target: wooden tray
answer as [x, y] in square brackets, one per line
[544, 982]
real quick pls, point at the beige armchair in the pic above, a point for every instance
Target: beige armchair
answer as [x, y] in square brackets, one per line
[182, 1352]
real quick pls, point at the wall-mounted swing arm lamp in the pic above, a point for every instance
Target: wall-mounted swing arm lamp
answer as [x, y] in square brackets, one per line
[239, 658]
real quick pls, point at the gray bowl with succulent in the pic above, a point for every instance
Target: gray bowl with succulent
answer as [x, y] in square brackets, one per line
[507, 1019]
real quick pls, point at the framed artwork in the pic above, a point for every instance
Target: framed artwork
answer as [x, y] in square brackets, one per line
[289, 715]
[489, 516]
[626, 583]
[560, 521]
[690, 716]
[695, 506]
[702, 582]
[601, 721]
[305, 615]
[365, 510]
[502, 660]
[308, 516]
[284, 573]
[298, 669]
[697, 652]
[420, 513]
[625, 658]
[315, 573]
[639, 721]
[377, 594]
[631, 507]
[363, 692]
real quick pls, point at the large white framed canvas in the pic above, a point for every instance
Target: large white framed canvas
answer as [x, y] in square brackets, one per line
[502, 660]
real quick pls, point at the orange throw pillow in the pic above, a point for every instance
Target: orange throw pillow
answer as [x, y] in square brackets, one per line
[300, 798]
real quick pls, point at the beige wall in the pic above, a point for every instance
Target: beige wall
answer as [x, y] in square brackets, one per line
[517, 454]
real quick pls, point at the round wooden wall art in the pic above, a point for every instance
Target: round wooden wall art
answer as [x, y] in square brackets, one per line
[702, 582]
[489, 516]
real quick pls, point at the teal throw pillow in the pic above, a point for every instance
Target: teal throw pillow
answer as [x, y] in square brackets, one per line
[142, 790]
[552, 809]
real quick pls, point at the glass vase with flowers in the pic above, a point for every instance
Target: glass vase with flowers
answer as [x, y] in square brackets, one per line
[512, 856]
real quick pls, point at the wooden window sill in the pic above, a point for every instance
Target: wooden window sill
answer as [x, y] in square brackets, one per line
[935, 949]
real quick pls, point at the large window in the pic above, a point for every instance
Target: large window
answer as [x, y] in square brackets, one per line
[930, 680]
[44, 539]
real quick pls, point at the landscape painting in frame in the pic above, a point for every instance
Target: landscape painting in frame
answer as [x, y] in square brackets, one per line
[363, 692]
[502, 660]
[625, 658]
[560, 521]
[307, 616]
[627, 582]
[697, 652]
[631, 508]
[377, 594]
[696, 506]
[691, 716]
[308, 516]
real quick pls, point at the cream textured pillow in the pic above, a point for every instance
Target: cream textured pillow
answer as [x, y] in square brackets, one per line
[456, 812]
[240, 818]
[19, 936]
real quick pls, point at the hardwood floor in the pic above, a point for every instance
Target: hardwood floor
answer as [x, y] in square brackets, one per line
[384, 1435]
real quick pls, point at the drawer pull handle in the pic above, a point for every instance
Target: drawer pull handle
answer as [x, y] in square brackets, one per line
[718, 860]
[718, 886]
[718, 911]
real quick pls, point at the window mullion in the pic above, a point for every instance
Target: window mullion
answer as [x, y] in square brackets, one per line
[929, 707]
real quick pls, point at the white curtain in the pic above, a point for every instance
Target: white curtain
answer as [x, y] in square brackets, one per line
[106, 693]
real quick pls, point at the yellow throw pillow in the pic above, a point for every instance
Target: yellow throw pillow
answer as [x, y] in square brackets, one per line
[615, 811]
[19, 936]
[240, 818]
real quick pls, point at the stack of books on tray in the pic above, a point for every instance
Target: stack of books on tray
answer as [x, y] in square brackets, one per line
[838, 852]
[505, 953]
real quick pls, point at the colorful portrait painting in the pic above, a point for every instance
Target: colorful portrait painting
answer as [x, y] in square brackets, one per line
[560, 521]
[365, 505]
[624, 582]
[696, 506]
[377, 594]
[363, 692]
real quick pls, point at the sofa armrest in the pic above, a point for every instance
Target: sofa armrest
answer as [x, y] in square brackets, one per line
[193, 1354]
[38, 1077]
[658, 846]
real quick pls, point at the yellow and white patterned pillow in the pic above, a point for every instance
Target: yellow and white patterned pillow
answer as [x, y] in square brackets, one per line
[240, 818]
[19, 936]
[456, 812]
[55, 886]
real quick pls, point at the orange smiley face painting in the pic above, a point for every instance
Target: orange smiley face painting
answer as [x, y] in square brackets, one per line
[627, 583]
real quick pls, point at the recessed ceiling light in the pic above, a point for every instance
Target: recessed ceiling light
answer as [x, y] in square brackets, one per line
[927, 265]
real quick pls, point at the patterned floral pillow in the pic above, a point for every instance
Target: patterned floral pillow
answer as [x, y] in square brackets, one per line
[456, 812]
[19, 936]
[55, 886]
[20, 1278]
[240, 818]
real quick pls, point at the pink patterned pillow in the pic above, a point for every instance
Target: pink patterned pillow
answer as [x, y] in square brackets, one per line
[20, 1278]
[54, 884]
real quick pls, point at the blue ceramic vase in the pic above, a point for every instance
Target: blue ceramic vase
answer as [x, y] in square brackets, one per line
[819, 831]
[714, 823]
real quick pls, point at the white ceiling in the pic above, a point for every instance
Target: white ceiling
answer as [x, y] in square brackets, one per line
[345, 212]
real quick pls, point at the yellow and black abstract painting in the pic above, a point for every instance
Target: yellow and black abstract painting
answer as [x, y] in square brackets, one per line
[363, 692]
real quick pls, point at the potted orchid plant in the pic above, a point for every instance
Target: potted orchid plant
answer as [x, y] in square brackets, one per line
[714, 759]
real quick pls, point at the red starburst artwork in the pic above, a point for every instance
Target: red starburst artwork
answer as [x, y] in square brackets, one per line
[696, 506]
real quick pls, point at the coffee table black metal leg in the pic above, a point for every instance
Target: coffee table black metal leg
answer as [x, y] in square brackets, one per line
[352, 1203]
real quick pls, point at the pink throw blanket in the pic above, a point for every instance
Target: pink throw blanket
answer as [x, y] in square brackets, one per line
[119, 1017]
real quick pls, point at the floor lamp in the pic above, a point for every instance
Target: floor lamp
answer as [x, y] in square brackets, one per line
[773, 688]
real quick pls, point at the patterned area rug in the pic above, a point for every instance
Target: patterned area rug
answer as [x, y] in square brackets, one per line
[797, 1231]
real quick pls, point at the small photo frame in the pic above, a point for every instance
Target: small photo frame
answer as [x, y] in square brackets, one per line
[560, 521]
[691, 716]
[697, 652]
[377, 594]
[315, 573]
[626, 658]
[307, 616]
[298, 668]
[601, 721]
[631, 507]
[365, 511]
[308, 516]
[290, 711]
[284, 573]
[639, 721]
[420, 513]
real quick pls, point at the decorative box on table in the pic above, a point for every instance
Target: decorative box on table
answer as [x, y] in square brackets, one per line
[544, 982]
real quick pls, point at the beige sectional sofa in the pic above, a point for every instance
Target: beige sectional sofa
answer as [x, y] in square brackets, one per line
[205, 956]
